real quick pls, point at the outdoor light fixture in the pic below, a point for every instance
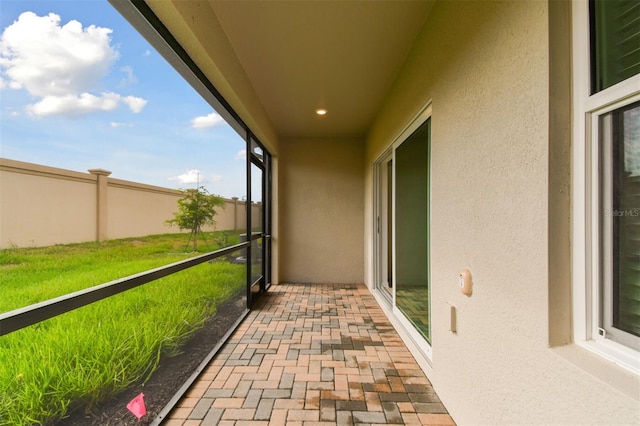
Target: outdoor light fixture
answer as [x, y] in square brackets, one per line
[321, 111]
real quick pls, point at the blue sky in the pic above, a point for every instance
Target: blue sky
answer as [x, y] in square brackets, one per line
[94, 94]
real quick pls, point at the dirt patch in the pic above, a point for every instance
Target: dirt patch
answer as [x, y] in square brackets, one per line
[165, 382]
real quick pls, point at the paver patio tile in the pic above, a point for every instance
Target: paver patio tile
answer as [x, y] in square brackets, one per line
[410, 419]
[218, 393]
[312, 402]
[424, 397]
[373, 401]
[341, 395]
[344, 418]
[312, 355]
[173, 422]
[232, 381]
[436, 419]
[299, 390]
[351, 406]
[238, 414]
[201, 408]
[306, 377]
[188, 402]
[369, 417]
[263, 412]
[394, 396]
[320, 385]
[180, 413]
[242, 389]
[212, 418]
[327, 410]
[303, 415]
[289, 404]
[229, 403]
[266, 384]
[376, 387]
[406, 407]
[415, 380]
[252, 399]
[277, 393]
[430, 407]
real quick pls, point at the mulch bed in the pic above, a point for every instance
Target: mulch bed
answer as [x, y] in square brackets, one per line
[168, 378]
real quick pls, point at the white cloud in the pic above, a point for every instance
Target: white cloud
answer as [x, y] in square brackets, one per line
[60, 65]
[116, 124]
[74, 104]
[42, 56]
[129, 78]
[71, 105]
[135, 104]
[241, 155]
[191, 176]
[206, 121]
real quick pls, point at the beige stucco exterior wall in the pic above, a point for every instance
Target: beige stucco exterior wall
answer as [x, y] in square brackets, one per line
[485, 67]
[37, 205]
[41, 205]
[320, 210]
[233, 216]
[125, 203]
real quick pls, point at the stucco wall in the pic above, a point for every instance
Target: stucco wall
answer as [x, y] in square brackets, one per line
[485, 67]
[37, 208]
[41, 205]
[320, 210]
[125, 203]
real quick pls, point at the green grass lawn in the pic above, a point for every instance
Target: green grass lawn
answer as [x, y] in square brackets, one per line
[82, 357]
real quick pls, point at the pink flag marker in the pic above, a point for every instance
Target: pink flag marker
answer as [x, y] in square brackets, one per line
[136, 406]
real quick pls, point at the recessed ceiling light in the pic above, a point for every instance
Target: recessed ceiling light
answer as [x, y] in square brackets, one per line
[321, 111]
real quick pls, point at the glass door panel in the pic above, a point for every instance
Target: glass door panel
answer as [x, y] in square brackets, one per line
[384, 225]
[257, 228]
[412, 229]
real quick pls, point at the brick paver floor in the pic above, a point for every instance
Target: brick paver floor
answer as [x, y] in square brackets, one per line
[312, 355]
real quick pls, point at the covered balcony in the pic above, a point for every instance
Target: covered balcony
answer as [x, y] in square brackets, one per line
[423, 149]
[431, 250]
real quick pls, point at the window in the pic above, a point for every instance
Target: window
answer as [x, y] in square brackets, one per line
[619, 140]
[615, 41]
[606, 179]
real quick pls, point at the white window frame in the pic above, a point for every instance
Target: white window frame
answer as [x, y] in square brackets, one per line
[587, 109]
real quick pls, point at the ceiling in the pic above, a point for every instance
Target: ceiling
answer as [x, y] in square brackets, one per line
[303, 55]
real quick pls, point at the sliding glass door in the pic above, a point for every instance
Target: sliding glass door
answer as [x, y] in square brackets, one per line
[402, 258]
[412, 228]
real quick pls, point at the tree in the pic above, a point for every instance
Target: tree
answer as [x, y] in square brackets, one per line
[197, 208]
